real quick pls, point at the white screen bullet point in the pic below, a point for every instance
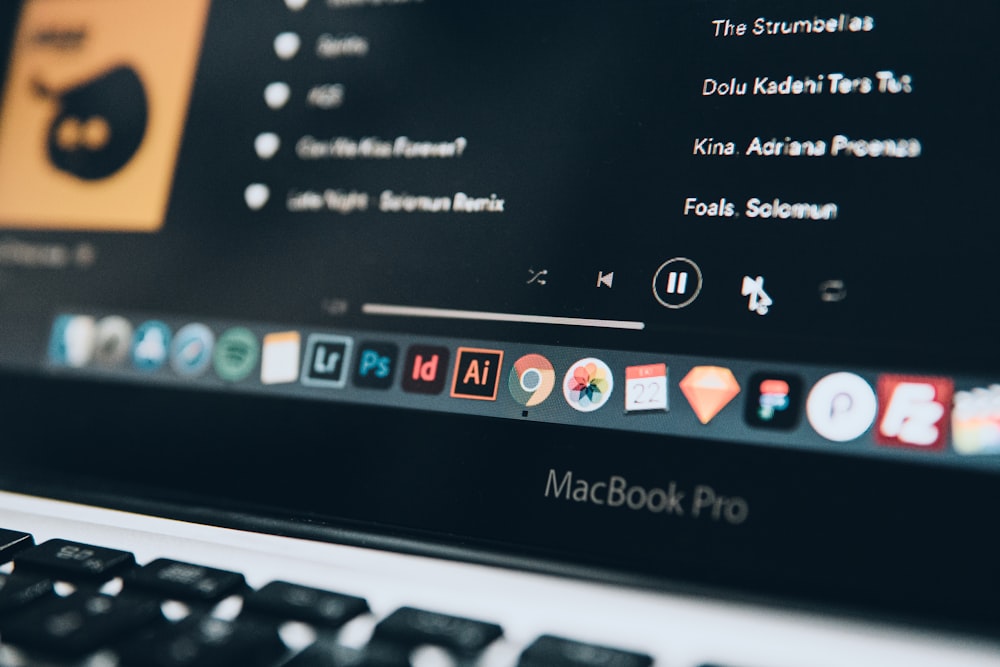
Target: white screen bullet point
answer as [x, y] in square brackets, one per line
[286, 45]
[276, 94]
[256, 196]
[266, 144]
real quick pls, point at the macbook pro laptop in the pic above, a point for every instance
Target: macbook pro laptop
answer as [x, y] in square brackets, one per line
[584, 333]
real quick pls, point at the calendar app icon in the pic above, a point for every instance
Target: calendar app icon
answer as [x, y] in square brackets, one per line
[646, 388]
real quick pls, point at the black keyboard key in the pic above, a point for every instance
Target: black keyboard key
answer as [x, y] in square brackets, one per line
[79, 624]
[412, 627]
[12, 542]
[549, 651]
[184, 581]
[16, 592]
[301, 603]
[203, 641]
[375, 655]
[74, 561]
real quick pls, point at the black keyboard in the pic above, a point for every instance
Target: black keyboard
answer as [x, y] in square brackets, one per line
[68, 603]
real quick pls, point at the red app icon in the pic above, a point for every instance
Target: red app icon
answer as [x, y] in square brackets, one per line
[913, 411]
[424, 371]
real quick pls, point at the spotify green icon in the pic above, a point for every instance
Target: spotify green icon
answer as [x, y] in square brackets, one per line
[236, 354]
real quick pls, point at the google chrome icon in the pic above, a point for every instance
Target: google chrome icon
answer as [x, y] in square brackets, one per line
[531, 380]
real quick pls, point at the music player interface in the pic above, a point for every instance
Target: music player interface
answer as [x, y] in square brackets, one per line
[361, 205]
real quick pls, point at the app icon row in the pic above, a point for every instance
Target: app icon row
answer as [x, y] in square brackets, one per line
[916, 412]
[78, 341]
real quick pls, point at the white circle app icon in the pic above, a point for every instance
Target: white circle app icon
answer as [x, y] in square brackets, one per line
[588, 384]
[841, 407]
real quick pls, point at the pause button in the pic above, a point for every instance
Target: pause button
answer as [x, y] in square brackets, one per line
[677, 282]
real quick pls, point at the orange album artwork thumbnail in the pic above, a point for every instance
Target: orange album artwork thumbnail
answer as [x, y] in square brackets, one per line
[93, 112]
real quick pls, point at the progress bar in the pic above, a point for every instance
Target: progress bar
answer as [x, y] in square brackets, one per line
[450, 314]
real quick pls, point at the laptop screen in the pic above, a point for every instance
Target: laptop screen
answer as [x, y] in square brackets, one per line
[688, 290]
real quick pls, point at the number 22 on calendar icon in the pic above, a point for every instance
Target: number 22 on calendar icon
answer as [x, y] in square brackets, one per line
[646, 388]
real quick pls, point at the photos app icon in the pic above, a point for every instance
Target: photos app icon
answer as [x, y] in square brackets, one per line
[588, 385]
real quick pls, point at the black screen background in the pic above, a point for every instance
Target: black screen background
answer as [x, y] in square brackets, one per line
[582, 118]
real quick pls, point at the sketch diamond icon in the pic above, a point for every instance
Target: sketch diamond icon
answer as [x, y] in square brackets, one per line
[709, 389]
